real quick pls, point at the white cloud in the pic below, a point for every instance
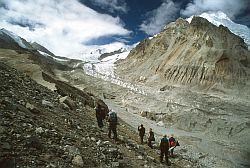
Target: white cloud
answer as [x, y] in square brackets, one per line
[158, 18]
[62, 26]
[112, 5]
[231, 7]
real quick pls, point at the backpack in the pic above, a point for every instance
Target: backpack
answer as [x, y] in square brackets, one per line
[113, 117]
[172, 141]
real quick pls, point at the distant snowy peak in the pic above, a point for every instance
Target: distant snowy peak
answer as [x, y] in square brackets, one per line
[41, 48]
[21, 42]
[220, 18]
[11, 38]
[98, 53]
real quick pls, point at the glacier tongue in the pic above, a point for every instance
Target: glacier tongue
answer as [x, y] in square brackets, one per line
[220, 18]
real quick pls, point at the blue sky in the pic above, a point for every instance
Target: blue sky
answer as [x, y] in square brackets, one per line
[73, 27]
[137, 15]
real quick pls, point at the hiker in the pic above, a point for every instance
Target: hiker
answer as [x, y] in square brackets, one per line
[173, 143]
[141, 130]
[112, 119]
[164, 147]
[100, 115]
[151, 138]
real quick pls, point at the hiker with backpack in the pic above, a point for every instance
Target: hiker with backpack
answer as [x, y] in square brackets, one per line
[151, 138]
[141, 130]
[112, 119]
[164, 147]
[173, 143]
[100, 115]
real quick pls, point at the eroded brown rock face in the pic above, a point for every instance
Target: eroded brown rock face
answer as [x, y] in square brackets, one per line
[198, 53]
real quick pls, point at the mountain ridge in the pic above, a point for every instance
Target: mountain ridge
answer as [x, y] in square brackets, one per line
[220, 18]
[198, 53]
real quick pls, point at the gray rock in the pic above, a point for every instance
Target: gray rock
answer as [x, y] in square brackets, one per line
[140, 149]
[77, 161]
[5, 145]
[93, 139]
[51, 166]
[151, 158]
[64, 106]
[69, 102]
[108, 96]
[72, 150]
[39, 130]
[112, 150]
[2, 129]
[29, 106]
[115, 164]
[47, 103]
[98, 142]
[33, 108]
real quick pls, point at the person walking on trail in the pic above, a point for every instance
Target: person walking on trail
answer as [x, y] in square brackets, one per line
[141, 130]
[151, 138]
[164, 147]
[112, 119]
[172, 143]
[100, 115]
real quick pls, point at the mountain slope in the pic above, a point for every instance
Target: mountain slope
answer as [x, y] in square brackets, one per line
[40, 129]
[198, 54]
[11, 38]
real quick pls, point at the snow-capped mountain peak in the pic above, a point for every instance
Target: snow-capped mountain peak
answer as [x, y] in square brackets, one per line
[220, 18]
[13, 36]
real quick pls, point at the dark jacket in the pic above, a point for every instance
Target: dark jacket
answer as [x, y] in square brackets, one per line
[141, 131]
[112, 119]
[151, 136]
[100, 113]
[164, 145]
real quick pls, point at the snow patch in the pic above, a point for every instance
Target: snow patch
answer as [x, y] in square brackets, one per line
[94, 52]
[47, 55]
[153, 36]
[160, 123]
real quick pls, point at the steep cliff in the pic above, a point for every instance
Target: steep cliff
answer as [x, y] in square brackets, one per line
[198, 54]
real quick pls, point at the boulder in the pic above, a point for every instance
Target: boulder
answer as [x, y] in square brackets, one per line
[47, 103]
[108, 96]
[69, 102]
[33, 108]
[77, 161]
